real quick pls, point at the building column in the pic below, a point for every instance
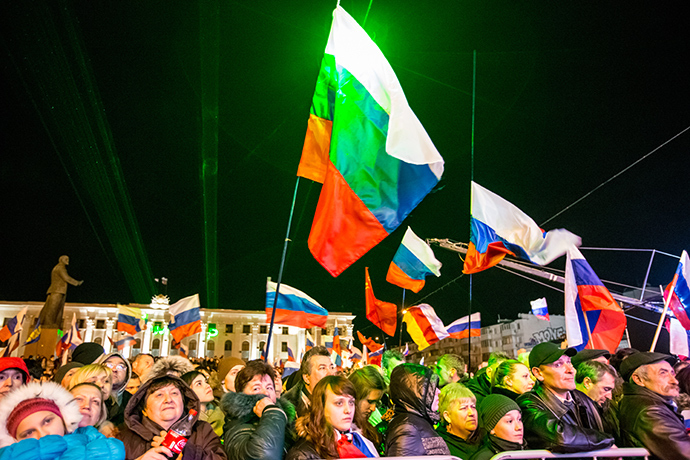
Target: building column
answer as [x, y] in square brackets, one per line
[107, 346]
[88, 336]
[254, 344]
[146, 339]
[201, 343]
[165, 345]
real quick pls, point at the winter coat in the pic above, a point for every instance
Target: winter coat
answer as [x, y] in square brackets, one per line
[493, 445]
[203, 444]
[553, 425]
[505, 392]
[304, 449]
[480, 385]
[215, 416]
[84, 443]
[248, 436]
[649, 420]
[411, 431]
[459, 447]
[117, 402]
[69, 408]
[299, 397]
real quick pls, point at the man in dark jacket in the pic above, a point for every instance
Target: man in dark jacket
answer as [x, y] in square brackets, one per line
[555, 415]
[315, 365]
[414, 392]
[648, 416]
[256, 421]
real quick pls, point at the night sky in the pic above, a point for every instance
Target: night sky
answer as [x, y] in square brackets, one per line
[568, 94]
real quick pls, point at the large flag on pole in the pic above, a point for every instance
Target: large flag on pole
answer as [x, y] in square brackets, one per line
[369, 343]
[412, 263]
[461, 328]
[69, 341]
[499, 228]
[424, 326]
[383, 314]
[185, 318]
[365, 145]
[680, 300]
[294, 307]
[585, 294]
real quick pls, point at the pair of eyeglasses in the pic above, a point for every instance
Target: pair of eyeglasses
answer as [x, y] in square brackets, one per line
[117, 367]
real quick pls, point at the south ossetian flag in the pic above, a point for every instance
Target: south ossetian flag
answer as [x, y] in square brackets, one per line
[499, 228]
[412, 263]
[294, 307]
[424, 326]
[585, 294]
[365, 145]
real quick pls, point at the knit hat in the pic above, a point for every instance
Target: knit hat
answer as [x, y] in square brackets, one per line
[87, 353]
[494, 407]
[63, 370]
[26, 408]
[15, 363]
[19, 403]
[226, 364]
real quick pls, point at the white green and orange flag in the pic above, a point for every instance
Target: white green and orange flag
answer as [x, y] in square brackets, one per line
[365, 145]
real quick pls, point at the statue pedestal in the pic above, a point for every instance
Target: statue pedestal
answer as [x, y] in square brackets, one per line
[45, 345]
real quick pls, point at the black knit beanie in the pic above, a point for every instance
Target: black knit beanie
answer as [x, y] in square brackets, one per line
[494, 407]
[87, 353]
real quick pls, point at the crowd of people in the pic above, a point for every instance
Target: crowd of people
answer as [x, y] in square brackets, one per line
[109, 407]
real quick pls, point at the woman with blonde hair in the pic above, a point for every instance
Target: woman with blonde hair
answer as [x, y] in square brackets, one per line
[459, 425]
[511, 378]
[331, 428]
[98, 374]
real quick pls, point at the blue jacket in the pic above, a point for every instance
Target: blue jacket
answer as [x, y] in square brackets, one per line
[84, 443]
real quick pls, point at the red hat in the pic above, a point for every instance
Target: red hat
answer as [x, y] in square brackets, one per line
[15, 363]
[26, 408]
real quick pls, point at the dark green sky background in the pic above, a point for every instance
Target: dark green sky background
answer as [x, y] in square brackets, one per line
[568, 94]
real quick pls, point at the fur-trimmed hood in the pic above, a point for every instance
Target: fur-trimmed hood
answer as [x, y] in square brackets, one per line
[240, 406]
[133, 411]
[169, 365]
[68, 406]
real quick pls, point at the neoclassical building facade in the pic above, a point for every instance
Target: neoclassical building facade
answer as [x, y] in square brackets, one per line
[238, 333]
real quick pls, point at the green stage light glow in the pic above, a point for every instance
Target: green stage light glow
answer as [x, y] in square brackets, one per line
[209, 26]
[57, 76]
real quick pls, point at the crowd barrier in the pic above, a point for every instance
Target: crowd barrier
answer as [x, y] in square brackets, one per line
[624, 452]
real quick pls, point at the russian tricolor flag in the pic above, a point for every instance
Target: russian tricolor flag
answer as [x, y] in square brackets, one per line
[499, 228]
[365, 145]
[461, 328]
[585, 294]
[294, 308]
[680, 300]
[291, 354]
[412, 263]
[374, 357]
[125, 341]
[540, 309]
[424, 326]
[185, 318]
[129, 320]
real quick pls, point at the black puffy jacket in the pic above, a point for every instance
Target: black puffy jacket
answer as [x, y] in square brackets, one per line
[411, 431]
[649, 420]
[550, 424]
[249, 437]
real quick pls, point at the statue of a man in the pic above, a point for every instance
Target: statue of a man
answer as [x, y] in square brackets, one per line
[51, 313]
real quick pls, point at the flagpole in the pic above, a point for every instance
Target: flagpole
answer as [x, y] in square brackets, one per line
[667, 301]
[402, 309]
[474, 99]
[280, 272]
